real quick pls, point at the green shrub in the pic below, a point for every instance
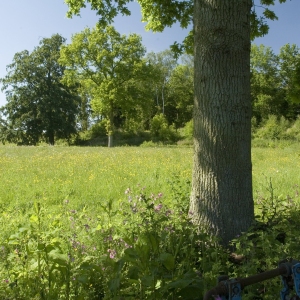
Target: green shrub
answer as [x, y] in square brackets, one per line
[294, 131]
[98, 129]
[188, 130]
[273, 129]
[161, 131]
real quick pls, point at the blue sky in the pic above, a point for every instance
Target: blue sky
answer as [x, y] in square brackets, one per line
[24, 22]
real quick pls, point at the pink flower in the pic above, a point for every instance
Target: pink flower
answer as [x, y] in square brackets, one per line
[158, 207]
[112, 253]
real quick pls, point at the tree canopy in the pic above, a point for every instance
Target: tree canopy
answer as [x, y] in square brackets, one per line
[274, 82]
[107, 65]
[38, 105]
[159, 14]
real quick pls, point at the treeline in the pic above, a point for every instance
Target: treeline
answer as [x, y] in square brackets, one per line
[104, 84]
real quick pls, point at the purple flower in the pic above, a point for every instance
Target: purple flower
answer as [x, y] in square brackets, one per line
[158, 207]
[159, 195]
[112, 253]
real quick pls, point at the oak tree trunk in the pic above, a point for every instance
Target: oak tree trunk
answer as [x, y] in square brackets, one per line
[221, 195]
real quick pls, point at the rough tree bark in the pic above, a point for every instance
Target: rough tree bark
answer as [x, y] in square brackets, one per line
[222, 171]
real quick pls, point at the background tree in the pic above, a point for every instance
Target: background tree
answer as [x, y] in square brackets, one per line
[107, 65]
[180, 95]
[289, 62]
[274, 82]
[164, 63]
[267, 97]
[38, 104]
[222, 174]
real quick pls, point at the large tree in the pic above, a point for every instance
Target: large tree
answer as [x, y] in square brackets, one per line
[222, 174]
[38, 105]
[107, 65]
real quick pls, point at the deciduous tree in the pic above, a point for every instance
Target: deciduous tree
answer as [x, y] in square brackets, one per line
[38, 104]
[222, 174]
[107, 66]
[289, 62]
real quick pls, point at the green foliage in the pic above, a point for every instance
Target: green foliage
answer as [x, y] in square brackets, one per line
[188, 129]
[181, 94]
[39, 107]
[273, 128]
[140, 245]
[274, 82]
[290, 71]
[159, 14]
[293, 132]
[160, 130]
[273, 237]
[111, 70]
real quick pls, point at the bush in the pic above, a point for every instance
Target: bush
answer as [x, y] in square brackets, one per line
[98, 129]
[293, 132]
[188, 130]
[273, 128]
[160, 130]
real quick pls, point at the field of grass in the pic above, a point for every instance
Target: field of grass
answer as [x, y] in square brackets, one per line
[89, 175]
[69, 221]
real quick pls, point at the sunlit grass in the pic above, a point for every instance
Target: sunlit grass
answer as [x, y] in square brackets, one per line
[88, 175]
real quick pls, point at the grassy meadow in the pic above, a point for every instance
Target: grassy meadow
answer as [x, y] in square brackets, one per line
[86, 176]
[99, 223]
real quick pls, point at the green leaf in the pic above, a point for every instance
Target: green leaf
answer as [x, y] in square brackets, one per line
[189, 292]
[59, 258]
[83, 278]
[133, 272]
[167, 260]
[147, 281]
